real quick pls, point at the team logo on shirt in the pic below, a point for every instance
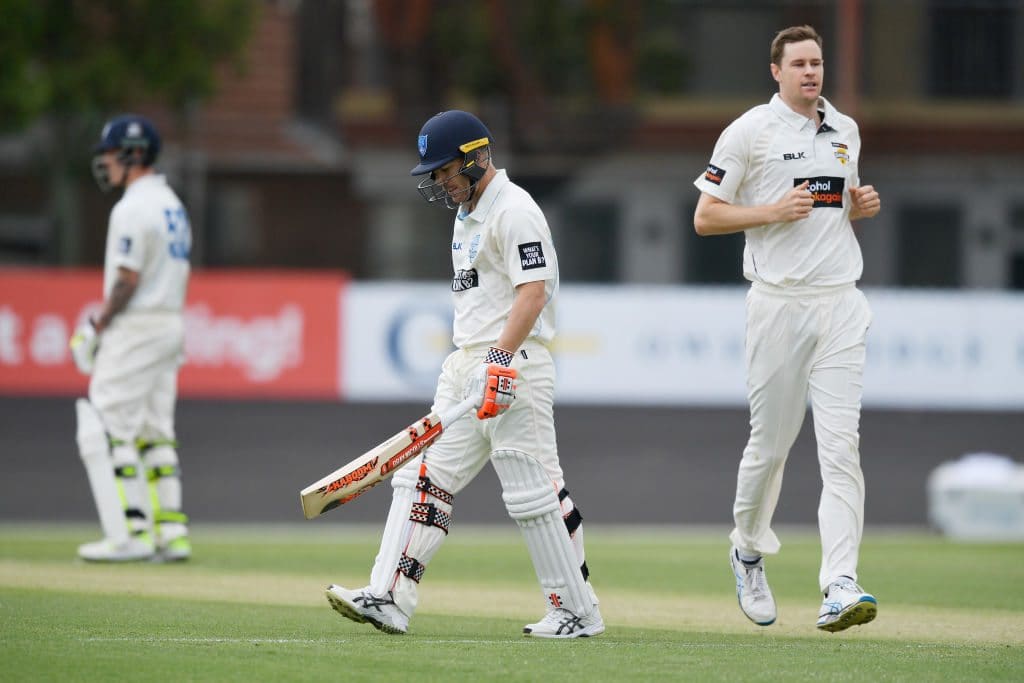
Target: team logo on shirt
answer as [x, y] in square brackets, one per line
[714, 174]
[465, 279]
[531, 256]
[474, 247]
[124, 245]
[827, 191]
[842, 152]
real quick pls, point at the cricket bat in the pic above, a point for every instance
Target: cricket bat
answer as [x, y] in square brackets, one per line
[377, 464]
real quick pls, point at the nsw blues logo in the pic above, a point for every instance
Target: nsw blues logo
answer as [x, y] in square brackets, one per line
[474, 247]
[423, 145]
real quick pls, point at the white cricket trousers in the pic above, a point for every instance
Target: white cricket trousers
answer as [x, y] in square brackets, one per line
[528, 426]
[800, 343]
[134, 385]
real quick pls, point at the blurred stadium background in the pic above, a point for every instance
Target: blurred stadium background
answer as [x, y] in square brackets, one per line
[318, 310]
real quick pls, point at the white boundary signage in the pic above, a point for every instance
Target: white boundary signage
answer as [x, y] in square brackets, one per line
[664, 345]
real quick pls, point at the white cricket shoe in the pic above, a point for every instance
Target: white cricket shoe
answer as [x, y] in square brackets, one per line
[176, 550]
[845, 605]
[752, 591]
[561, 623]
[135, 549]
[363, 606]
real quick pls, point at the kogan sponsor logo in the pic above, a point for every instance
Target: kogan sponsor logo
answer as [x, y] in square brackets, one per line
[262, 347]
[827, 191]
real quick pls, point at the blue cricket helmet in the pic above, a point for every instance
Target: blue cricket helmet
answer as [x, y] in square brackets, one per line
[449, 135]
[127, 133]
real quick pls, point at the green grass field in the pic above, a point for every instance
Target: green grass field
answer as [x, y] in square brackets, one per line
[250, 607]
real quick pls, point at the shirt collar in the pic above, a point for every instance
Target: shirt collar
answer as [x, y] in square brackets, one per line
[798, 121]
[147, 179]
[486, 201]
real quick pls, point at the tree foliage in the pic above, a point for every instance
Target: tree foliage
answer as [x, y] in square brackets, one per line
[66, 58]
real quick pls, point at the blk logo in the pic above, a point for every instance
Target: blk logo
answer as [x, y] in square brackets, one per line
[792, 156]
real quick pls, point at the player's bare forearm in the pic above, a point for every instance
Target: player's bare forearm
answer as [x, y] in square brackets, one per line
[715, 217]
[125, 284]
[529, 302]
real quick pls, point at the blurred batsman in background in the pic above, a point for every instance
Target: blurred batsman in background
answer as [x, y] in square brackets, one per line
[133, 349]
[786, 173]
[504, 288]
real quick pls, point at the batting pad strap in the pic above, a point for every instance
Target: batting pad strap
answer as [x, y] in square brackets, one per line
[161, 471]
[143, 445]
[170, 517]
[411, 567]
[126, 471]
[431, 515]
[499, 356]
[573, 521]
[424, 484]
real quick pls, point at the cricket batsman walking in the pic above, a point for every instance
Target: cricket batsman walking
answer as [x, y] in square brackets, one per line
[132, 349]
[504, 288]
[786, 174]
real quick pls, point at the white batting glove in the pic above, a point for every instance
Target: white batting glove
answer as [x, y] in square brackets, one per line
[83, 344]
[492, 384]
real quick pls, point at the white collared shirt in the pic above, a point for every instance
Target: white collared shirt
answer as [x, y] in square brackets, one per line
[503, 243]
[149, 233]
[764, 154]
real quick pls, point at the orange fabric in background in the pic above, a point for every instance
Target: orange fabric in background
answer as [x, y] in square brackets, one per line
[248, 334]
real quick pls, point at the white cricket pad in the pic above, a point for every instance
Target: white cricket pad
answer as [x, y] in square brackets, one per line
[396, 531]
[94, 448]
[417, 526]
[532, 502]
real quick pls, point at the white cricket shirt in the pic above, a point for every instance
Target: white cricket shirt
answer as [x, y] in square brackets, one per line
[764, 154]
[149, 233]
[503, 243]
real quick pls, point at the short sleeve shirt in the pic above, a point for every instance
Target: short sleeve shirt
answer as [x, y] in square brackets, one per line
[503, 243]
[149, 233]
[767, 152]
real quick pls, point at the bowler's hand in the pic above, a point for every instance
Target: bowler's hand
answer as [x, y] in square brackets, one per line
[864, 202]
[797, 204]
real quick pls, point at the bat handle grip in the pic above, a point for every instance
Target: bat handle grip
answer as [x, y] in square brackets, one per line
[455, 412]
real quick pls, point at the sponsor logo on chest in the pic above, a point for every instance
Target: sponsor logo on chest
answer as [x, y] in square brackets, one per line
[465, 279]
[827, 191]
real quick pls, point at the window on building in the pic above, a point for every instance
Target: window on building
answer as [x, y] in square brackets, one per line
[716, 260]
[587, 241]
[929, 246]
[1017, 247]
[972, 48]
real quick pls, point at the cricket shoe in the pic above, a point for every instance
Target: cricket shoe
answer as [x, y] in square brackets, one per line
[845, 605]
[135, 549]
[561, 623]
[752, 591]
[176, 550]
[362, 606]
